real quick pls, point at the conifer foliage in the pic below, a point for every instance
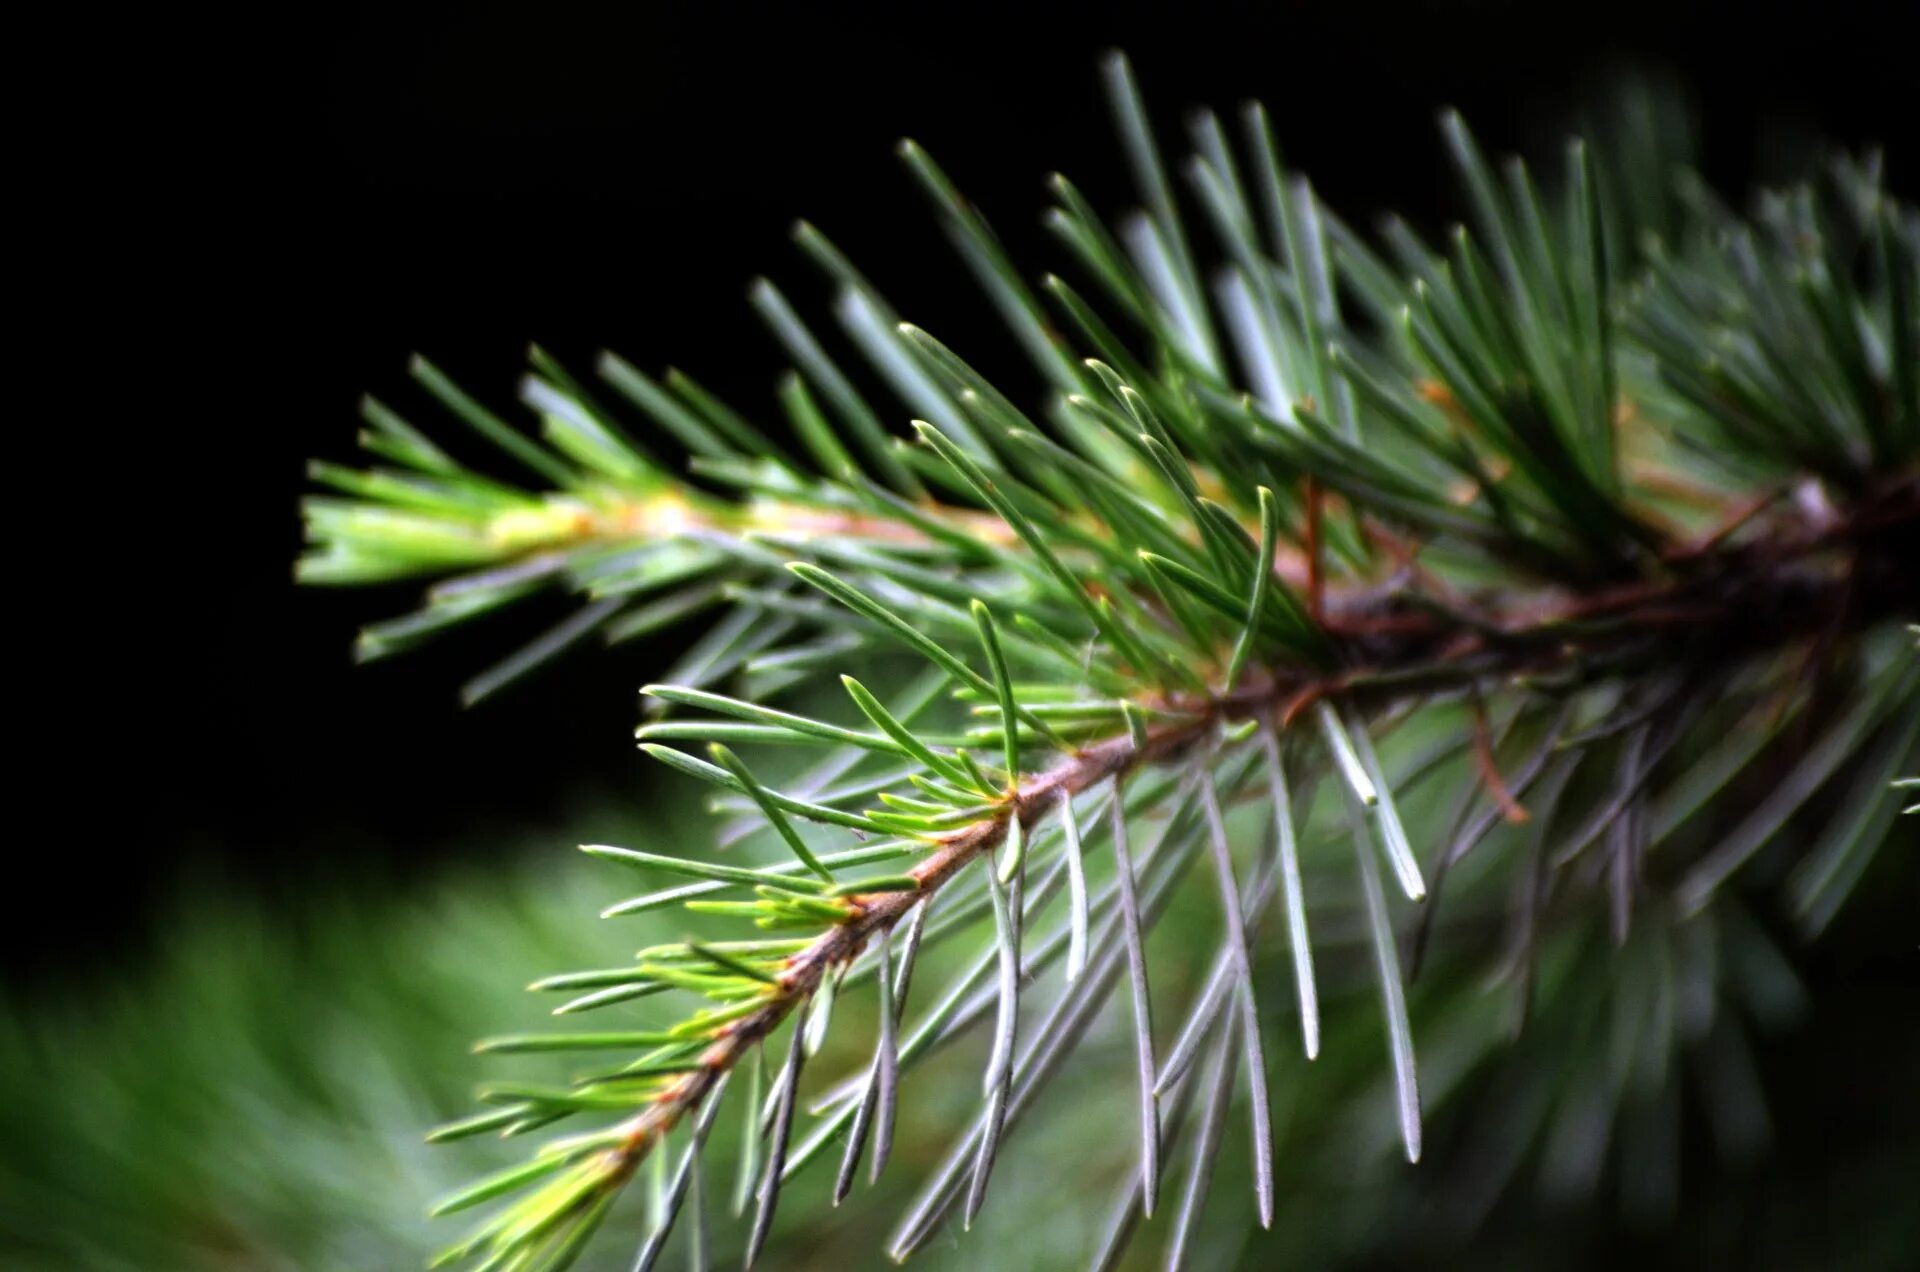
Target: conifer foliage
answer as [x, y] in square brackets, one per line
[1529, 602]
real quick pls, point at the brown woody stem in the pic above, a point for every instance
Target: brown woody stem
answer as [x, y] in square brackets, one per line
[1769, 593]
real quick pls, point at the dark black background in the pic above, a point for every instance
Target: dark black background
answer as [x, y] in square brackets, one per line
[243, 221]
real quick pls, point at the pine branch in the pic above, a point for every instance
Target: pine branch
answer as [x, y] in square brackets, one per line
[1285, 515]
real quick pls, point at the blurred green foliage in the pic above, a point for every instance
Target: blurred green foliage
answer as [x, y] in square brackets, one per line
[253, 1093]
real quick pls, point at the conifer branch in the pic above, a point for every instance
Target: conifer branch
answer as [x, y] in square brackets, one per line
[1612, 516]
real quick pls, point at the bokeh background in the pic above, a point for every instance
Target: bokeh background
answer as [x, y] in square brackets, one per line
[260, 898]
